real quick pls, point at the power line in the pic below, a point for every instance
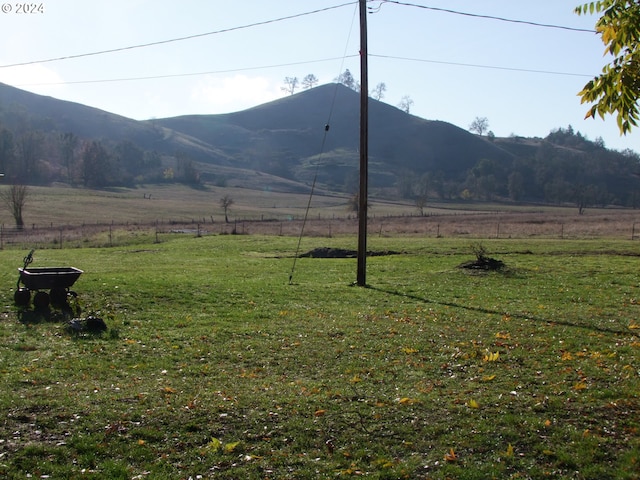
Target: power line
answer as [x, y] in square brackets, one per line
[178, 75]
[491, 67]
[264, 67]
[179, 39]
[488, 17]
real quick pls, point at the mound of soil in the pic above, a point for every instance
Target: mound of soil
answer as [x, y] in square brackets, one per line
[483, 263]
[328, 252]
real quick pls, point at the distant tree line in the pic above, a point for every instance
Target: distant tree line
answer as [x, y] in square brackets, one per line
[38, 157]
[567, 169]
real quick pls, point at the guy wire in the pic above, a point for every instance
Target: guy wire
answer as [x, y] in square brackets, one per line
[319, 161]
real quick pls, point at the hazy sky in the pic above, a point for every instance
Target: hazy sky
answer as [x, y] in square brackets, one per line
[523, 78]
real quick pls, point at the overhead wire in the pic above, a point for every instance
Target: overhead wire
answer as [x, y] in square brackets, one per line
[487, 17]
[265, 67]
[289, 17]
[179, 39]
[191, 74]
[475, 65]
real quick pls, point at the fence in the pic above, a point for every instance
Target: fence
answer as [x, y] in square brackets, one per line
[619, 224]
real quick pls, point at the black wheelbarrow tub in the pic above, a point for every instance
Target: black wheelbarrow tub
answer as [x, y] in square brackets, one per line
[43, 278]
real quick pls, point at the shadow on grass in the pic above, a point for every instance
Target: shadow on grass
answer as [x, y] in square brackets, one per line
[522, 316]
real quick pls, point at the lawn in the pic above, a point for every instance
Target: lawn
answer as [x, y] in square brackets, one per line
[215, 365]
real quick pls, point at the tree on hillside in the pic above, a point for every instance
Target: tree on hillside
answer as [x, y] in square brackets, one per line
[378, 92]
[29, 148]
[68, 145]
[96, 164]
[290, 85]
[186, 170]
[6, 149]
[15, 198]
[405, 104]
[346, 78]
[479, 125]
[309, 81]
[225, 203]
[617, 90]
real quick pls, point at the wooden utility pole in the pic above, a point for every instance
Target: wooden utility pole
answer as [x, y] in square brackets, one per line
[364, 149]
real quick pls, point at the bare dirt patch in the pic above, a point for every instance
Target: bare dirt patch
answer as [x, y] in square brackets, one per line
[328, 252]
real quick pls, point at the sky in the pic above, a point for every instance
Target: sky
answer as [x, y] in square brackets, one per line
[454, 65]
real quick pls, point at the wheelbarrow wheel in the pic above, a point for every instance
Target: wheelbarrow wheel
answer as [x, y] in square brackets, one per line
[22, 297]
[41, 300]
[58, 297]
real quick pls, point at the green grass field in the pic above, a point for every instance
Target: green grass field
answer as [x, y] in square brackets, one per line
[214, 365]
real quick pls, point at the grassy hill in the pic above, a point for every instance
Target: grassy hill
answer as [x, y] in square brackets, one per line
[285, 145]
[287, 137]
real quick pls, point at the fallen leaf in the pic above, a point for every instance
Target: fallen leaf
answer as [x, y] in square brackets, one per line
[214, 444]
[450, 456]
[509, 452]
[491, 356]
[473, 404]
[231, 447]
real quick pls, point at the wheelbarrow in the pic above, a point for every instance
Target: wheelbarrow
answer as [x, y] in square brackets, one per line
[55, 279]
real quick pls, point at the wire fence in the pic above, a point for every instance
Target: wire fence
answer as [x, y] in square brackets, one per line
[613, 224]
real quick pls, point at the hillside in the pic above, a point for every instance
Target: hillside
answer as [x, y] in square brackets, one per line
[286, 136]
[21, 110]
[283, 145]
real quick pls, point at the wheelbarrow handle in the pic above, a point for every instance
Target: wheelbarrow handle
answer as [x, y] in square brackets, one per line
[28, 259]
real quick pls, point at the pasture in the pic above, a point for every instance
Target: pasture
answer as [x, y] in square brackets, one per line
[215, 365]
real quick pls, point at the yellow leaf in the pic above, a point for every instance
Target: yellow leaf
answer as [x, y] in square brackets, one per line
[580, 386]
[567, 356]
[230, 447]
[634, 326]
[409, 350]
[503, 335]
[214, 444]
[473, 404]
[488, 378]
[509, 452]
[405, 401]
[492, 357]
[319, 413]
[141, 442]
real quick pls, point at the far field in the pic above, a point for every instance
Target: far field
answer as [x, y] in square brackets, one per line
[69, 215]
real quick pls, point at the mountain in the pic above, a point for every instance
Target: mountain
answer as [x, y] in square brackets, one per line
[21, 110]
[286, 144]
[287, 137]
